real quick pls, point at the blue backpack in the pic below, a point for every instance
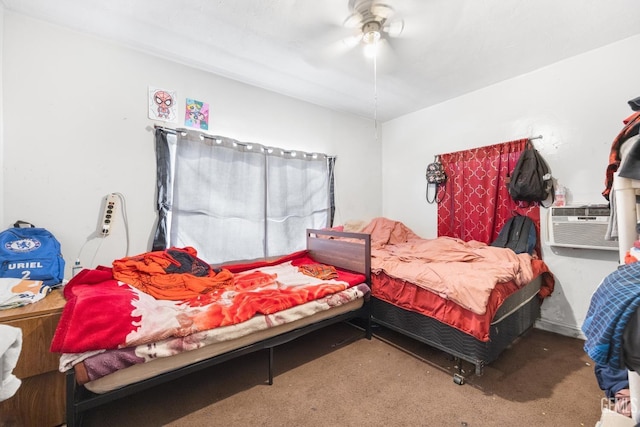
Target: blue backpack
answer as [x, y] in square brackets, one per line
[32, 253]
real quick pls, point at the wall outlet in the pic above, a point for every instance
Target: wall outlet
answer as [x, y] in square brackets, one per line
[108, 214]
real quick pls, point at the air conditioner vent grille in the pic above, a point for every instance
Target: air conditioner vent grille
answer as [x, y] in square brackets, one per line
[580, 227]
[593, 210]
[578, 235]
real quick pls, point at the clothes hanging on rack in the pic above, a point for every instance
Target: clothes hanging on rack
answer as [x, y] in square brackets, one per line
[628, 146]
[631, 128]
[612, 306]
[634, 104]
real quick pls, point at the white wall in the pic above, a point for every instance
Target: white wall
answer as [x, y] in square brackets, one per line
[76, 128]
[577, 105]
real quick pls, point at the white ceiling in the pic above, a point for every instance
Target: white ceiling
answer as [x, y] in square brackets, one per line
[447, 48]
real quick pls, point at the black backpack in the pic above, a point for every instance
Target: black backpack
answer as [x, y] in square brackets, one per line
[518, 234]
[531, 179]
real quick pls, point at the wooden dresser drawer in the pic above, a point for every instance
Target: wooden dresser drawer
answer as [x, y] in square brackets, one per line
[35, 357]
[40, 400]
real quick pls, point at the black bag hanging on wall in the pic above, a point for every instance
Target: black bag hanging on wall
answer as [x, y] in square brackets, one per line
[531, 179]
[518, 234]
[436, 178]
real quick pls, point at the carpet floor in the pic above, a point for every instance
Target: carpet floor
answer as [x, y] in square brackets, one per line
[336, 377]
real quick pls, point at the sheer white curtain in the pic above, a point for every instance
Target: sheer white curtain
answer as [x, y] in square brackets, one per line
[238, 201]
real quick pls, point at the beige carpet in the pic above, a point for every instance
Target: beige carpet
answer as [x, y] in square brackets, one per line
[335, 377]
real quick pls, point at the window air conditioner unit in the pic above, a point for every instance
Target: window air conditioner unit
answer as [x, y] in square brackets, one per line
[580, 227]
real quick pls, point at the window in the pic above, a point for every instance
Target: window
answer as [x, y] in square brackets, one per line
[232, 200]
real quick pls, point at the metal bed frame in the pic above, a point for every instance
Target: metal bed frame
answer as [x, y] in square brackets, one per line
[353, 254]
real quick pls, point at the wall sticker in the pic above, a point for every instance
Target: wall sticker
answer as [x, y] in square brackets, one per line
[162, 104]
[196, 114]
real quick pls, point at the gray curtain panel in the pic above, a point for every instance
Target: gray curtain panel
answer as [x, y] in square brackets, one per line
[234, 200]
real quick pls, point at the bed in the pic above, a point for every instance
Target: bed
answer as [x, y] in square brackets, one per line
[474, 325]
[116, 340]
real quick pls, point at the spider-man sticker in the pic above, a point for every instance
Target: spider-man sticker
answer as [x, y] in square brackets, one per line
[162, 104]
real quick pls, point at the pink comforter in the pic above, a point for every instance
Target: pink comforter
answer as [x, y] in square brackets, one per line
[463, 272]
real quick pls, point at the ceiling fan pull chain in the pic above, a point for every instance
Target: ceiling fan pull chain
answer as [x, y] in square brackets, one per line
[375, 90]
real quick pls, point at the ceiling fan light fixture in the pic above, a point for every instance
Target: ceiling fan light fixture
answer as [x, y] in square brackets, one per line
[371, 32]
[371, 38]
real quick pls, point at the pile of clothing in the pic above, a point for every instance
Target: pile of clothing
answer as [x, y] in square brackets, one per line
[612, 329]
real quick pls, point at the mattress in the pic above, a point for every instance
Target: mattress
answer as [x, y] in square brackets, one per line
[408, 296]
[517, 300]
[159, 366]
[478, 339]
[111, 327]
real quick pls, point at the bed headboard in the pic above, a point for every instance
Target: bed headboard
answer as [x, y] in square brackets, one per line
[351, 251]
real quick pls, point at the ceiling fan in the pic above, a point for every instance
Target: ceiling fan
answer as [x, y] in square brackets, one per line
[370, 24]
[377, 25]
[375, 22]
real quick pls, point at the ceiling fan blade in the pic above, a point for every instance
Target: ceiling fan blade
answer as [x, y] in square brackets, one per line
[354, 20]
[343, 45]
[394, 28]
[381, 10]
[328, 51]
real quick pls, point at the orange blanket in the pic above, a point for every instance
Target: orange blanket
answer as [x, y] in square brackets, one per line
[173, 274]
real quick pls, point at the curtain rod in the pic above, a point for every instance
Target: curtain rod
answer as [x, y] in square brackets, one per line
[171, 130]
[242, 144]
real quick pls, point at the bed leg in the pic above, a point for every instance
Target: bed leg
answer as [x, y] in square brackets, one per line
[368, 319]
[72, 417]
[458, 379]
[270, 365]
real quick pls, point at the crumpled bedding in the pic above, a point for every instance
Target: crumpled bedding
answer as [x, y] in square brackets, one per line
[463, 272]
[172, 274]
[91, 366]
[103, 313]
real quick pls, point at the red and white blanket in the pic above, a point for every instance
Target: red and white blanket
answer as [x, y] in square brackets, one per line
[105, 314]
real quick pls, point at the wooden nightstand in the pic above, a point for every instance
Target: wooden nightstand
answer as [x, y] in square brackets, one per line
[40, 400]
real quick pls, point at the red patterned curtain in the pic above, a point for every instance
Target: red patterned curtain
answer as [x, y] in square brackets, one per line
[475, 201]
